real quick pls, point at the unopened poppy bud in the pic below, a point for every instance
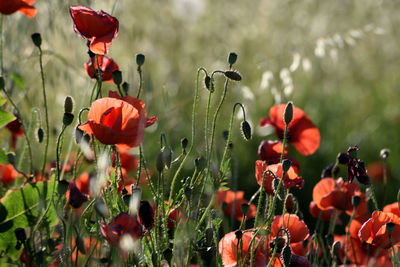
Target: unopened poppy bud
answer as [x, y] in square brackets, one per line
[233, 75]
[62, 187]
[246, 130]
[11, 158]
[2, 83]
[281, 193]
[167, 156]
[37, 39]
[20, 234]
[239, 234]
[390, 228]
[207, 83]
[288, 113]
[140, 59]
[68, 104]
[125, 87]
[291, 204]
[286, 255]
[342, 158]
[68, 118]
[117, 77]
[160, 161]
[184, 143]
[335, 251]
[39, 135]
[245, 208]
[286, 163]
[355, 201]
[385, 153]
[78, 135]
[232, 57]
[146, 214]
[200, 163]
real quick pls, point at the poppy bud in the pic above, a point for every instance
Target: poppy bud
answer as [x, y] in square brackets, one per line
[245, 208]
[246, 130]
[233, 75]
[2, 83]
[39, 134]
[239, 234]
[291, 204]
[62, 187]
[20, 234]
[385, 153]
[11, 158]
[335, 251]
[125, 87]
[355, 201]
[68, 118]
[288, 113]
[117, 77]
[68, 104]
[342, 158]
[76, 198]
[232, 58]
[207, 83]
[167, 156]
[160, 161]
[286, 255]
[184, 143]
[146, 214]
[200, 163]
[390, 228]
[286, 163]
[78, 135]
[140, 59]
[281, 193]
[36, 39]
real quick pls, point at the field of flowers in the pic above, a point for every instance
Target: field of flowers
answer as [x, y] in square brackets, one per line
[199, 133]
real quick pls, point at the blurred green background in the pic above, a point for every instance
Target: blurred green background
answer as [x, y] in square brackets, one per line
[337, 60]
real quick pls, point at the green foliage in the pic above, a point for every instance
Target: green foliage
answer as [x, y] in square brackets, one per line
[21, 208]
[5, 117]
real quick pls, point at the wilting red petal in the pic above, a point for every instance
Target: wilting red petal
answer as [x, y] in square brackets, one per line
[26, 7]
[107, 67]
[297, 228]
[99, 28]
[302, 133]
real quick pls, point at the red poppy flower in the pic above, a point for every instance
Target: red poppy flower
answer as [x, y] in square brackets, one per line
[15, 127]
[128, 161]
[297, 228]
[75, 196]
[324, 215]
[228, 249]
[302, 133]
[121, 225]
[99, 28]
[83, 183]
[173, 217]
[7, 174]
[270, 151]
[374, 231]
[329, 193]
[118, 121]
[375, 171]
[393, 208]
[291, 178]
[234, 201]
[26, 7]
[107, 67]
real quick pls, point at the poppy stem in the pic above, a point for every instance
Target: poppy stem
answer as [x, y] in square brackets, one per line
[140, 72]
[260, 198]
[1, 45]
[46, 110]
[99, 78]
[347, 238]
[58, 151]
[284, 142]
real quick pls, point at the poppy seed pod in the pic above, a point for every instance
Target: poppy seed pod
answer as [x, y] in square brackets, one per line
[125, 87]
[146, 214]
[390, 228]
[207, 83]
[62, 187]
[20, 234]
[184, 143]
[117, 77]
[160, 161]
[245, 208]
[37, 39]
[68, 118]
[140, 58]
[385, 153]
[68, 104]
[239, 234]
[11, 158]
[78, 135]
[232, 57]
[286, 163]
[355, 201]
[246, 130]
[233, 75]
[288, 113]
[286, 255]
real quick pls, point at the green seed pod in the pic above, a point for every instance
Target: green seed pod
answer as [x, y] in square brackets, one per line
[167, 156]
[140, 58]
[233, 75]
[62, 187]
[335, 251]
[239, 234]
[286, 255]
[11, 158]
[288, 113]
[125, 87]
[200, 163]
[184, 143]
[160, 161]
[37, 39]
[68, 104]
[232, 58]
[207, 83]
[355, 201]
[68, 118]
[385, 153]
[78, 135]
[286, 163]
[246, 130]
[40, 134]
[117, 77]
[390, 228]
[245, 208]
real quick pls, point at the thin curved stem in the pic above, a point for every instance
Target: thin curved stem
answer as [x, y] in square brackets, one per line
[46, 111]
[58, 152]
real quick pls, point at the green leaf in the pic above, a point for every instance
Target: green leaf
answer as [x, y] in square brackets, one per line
[2, 100]
[21, 208]
[3, 157]
[5, 117]
[19, 82]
